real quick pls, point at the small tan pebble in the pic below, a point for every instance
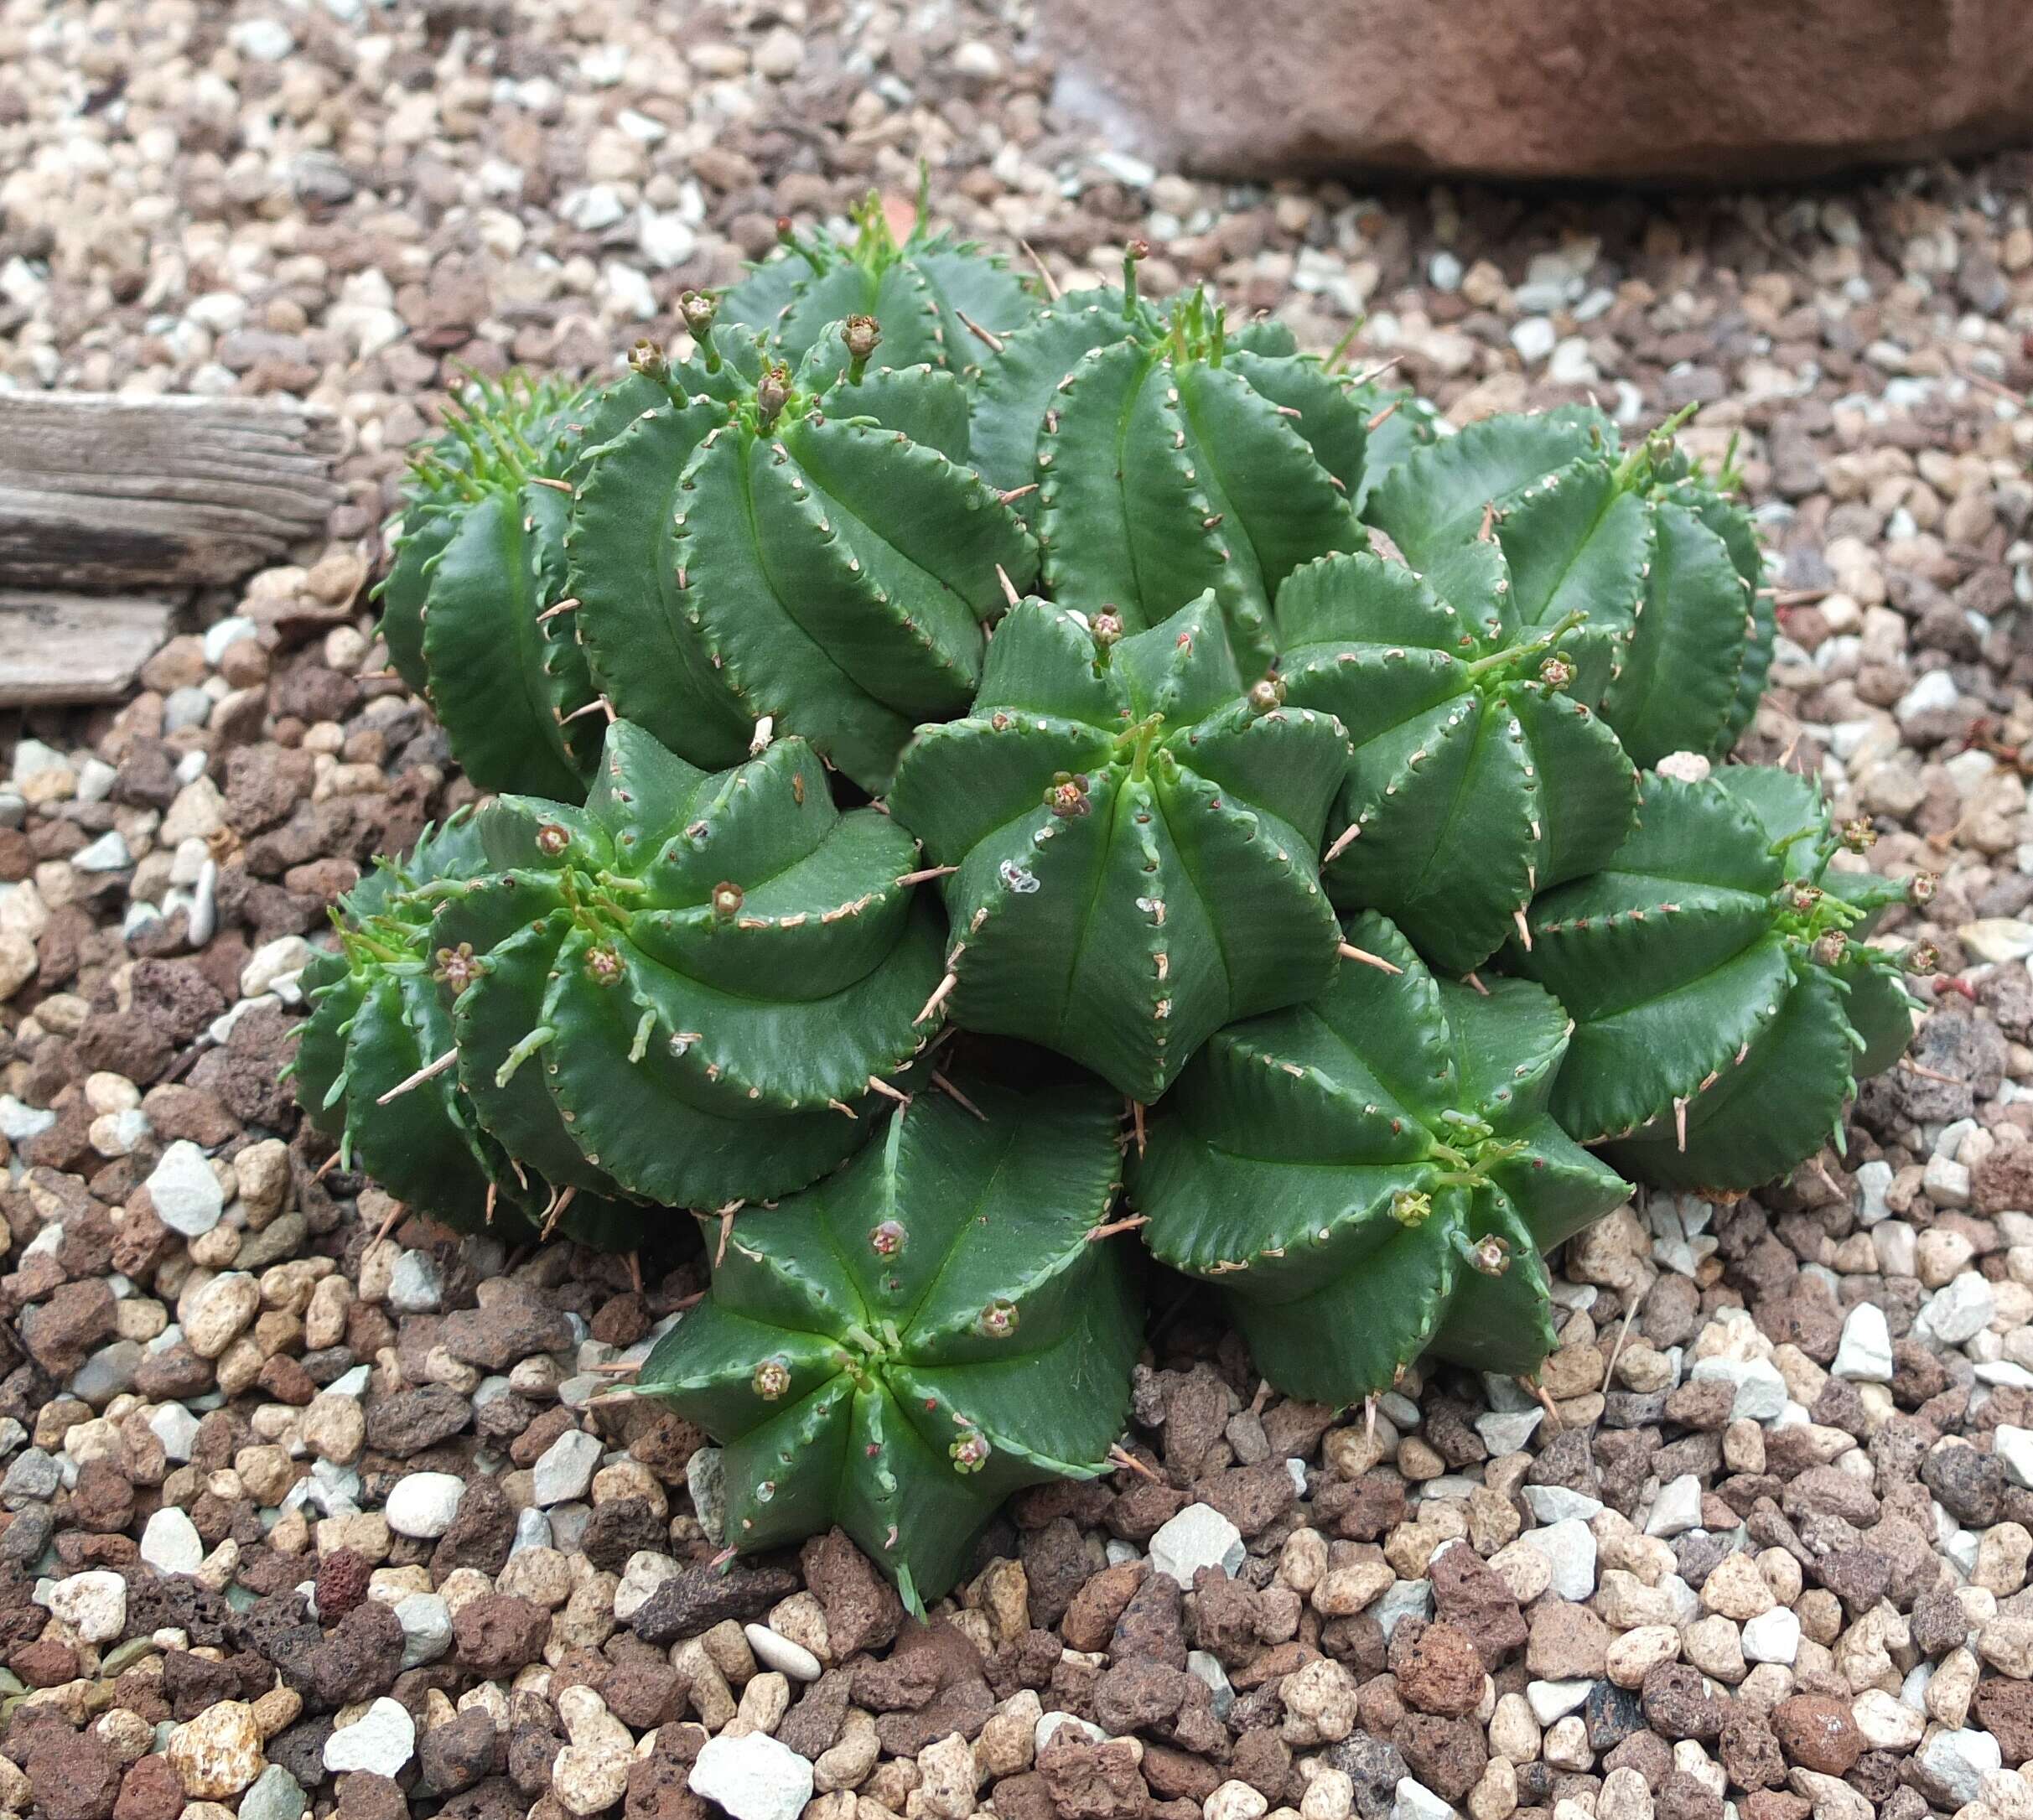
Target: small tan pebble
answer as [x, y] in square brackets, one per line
[277, 1710]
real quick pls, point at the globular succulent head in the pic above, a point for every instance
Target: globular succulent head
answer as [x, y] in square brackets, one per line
[900, 1347]
[375, 1062]
[698, 985]
[806, 544]
[942, 302]
[1135, 839]
[1725, 1000]
[1677, 637]
[1172, 455]
[470, 609]
[1478, 778]
[1375, 1174]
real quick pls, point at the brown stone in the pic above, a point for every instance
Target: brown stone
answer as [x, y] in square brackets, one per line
[1440, 1671]
[1818, 1732]
[1716, 91]
[497, 1633]
[862, 1610]
[75, 1778]
[149, 1791]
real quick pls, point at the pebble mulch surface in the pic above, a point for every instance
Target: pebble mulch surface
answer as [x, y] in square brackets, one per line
[296, 1517]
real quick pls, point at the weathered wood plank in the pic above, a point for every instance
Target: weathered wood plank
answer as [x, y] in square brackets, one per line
[104, 492]
[75, 648]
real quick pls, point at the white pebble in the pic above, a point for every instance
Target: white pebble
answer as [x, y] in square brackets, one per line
[780, 1653]
[1864, 1353]
[422, 1504]
[753, 1778]
[171, 1543]
[185, 1192]
[1198, 1536]
[380, 1741]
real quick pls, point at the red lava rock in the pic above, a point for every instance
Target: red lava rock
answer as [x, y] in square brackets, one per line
[1090, 1621]
[48, 1663]
[2005, 1709]
[1093, 1781]
[1441, 1672]
[1447, 1754]
[76, 1777]
[1818, 1732]
[1469, 1597]
[496, 1634]
[77, 1318]
[862, 1610]
[453, 1756]
[149, 1791]
[341, 1582]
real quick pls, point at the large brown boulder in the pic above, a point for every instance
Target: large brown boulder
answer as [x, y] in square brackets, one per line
[1708, 89]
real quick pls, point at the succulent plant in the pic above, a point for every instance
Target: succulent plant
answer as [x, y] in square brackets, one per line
[1134, 840]
[1478, 779]
[900, 1347]
[1171, 455]
[373, 1066]
[467, 607]
[1374, 1173]
[699, 983]
[1724, 995]
[807, 546]
[1677, 637]
[942, 302]
[1293, 650]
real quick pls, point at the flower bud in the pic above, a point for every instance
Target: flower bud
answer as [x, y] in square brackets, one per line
[862, 335]
[1266, 694]
[1066, 795]
[695, 309]
[773, 392]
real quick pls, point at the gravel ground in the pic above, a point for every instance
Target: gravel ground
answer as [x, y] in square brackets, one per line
[297, 1516]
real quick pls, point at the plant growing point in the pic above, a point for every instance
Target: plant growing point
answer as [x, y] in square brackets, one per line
[945, 302]
[1677, 639]
[469, 607]
[900, 1347]
[1172, 455]
[1374, 1174]
[1134, 836]
[374, 1063]
[1725, 998]
[1477, 779]
[700, 985]
[807, 546]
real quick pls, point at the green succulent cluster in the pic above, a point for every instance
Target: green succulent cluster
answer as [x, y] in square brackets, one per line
[1309, 829]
